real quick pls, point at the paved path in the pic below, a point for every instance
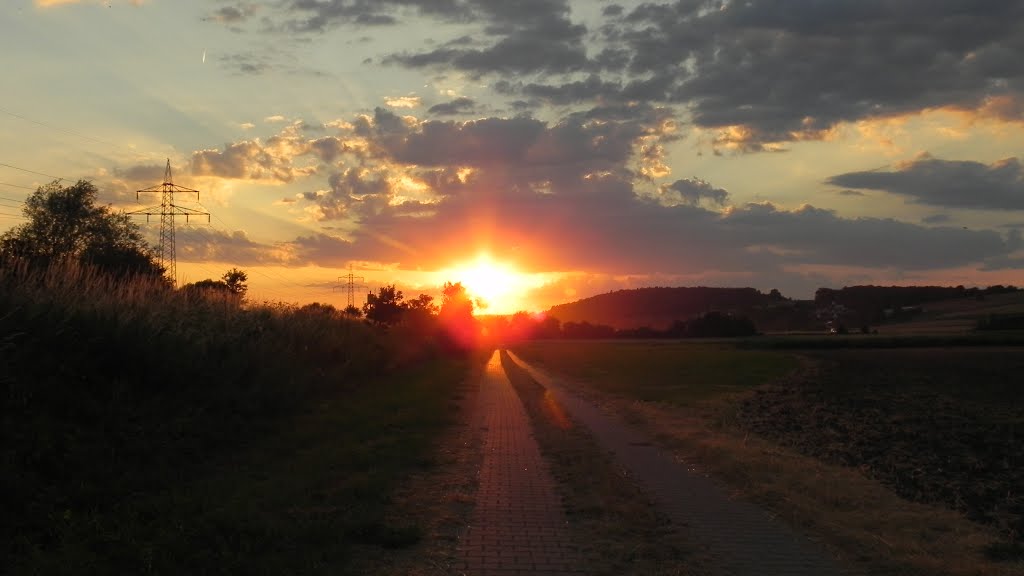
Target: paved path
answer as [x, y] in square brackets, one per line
[742, 538]
[518, 525]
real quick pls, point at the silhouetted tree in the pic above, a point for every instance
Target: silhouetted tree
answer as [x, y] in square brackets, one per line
[235, 280]
[385, 307]
[456, 315]
[316, 308]
[64, 223]
[353, 311]
[423, 303]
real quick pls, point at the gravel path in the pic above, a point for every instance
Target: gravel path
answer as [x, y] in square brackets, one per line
[742, 538]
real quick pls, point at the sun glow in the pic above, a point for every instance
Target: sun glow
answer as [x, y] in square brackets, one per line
[500, 286]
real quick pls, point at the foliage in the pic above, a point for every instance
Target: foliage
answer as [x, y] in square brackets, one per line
[385, 307]
[64, 223]
[659, 307]
[456, 317]
[235, 281]
[140, 417]
[230, 289]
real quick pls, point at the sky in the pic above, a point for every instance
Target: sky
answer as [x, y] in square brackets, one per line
[541, 151]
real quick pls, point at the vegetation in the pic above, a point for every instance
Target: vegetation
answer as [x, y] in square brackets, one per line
[64, 223]
[147, 431]
[883, 455]
[678, 373]
[658, 308]
[620, 531]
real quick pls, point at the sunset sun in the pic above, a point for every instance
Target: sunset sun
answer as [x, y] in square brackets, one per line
[499, 285]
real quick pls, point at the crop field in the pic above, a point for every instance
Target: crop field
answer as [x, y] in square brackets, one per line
[672, 372]
[901, 459]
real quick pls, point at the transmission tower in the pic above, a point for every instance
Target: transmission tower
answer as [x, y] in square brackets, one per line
[167, 210]
[351, 283]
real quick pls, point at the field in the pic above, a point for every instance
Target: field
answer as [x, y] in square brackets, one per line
[145, 433]
[902, 460]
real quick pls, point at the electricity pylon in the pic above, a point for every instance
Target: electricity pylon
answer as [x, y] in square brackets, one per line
[167, 210]
[351, 285]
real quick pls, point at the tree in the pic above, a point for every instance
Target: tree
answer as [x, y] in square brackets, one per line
[385, 307]
[64, 223]
[235, 280]
[456, 316]
[455, 302]
[353, 311]
[230, 288]
[423, 303]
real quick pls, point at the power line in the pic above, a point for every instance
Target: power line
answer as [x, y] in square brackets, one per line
[32, 171]
[17, 186]
[75, 133]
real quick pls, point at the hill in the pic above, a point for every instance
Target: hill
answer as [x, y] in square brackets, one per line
[660, 307]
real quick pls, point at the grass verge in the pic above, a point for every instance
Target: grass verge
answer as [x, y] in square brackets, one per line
[623, 532]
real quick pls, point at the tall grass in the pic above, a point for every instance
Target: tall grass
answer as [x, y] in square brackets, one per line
[111, 387]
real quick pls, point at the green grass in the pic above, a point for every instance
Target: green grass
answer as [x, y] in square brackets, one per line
[889, 340]
[680, 373]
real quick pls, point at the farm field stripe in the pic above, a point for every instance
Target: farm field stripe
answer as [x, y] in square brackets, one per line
[741, 536]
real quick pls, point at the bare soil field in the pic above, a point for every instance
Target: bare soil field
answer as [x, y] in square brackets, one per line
[935, 425]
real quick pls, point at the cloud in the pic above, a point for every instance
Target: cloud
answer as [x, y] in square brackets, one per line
[253, 160]
[937, 219]
[454, 107]
[275, 119]
[205, 244]
[52, 3]
[528, 37]
[403, 101]
[792, 74]
[946, 183]
[570, 195]
[693, 190]
[233, 14]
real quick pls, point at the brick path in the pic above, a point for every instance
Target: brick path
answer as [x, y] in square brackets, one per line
[742, 538]
[518, 525]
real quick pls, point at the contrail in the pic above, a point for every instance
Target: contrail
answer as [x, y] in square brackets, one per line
[204, 56]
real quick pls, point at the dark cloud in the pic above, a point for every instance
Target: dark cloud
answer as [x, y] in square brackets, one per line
[247, 64]
[694, 190]
[937, 219]
[566, 195]
[947, 183]
[233, 14]
[455, 107]
[353, 193]
[142, 173]
[528, 36]
[849, 192]
[790, 71]
[205, 244]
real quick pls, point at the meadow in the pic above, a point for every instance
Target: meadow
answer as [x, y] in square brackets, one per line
[902, 460]
[149, 432]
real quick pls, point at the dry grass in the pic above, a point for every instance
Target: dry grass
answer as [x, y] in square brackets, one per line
[863, 521]
[622, 531]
